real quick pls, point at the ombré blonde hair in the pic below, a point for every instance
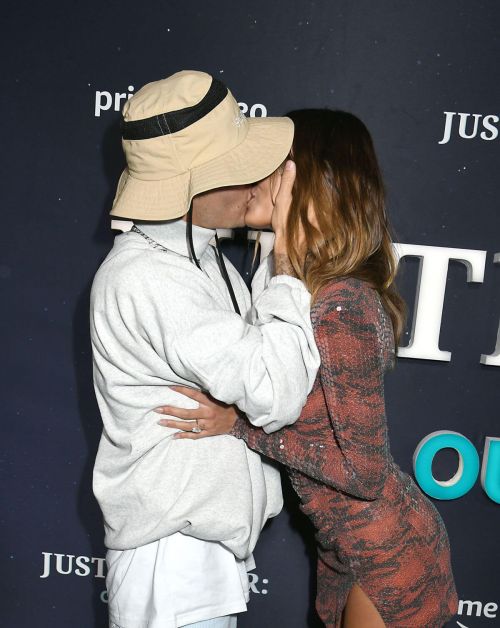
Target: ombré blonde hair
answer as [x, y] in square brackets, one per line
[338, 174]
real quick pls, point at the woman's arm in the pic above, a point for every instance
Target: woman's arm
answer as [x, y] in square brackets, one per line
[353, 455]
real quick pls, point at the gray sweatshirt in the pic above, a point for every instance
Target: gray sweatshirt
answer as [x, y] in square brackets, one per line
[157, 320]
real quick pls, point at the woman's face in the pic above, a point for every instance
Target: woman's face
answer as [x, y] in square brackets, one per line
[261, 203]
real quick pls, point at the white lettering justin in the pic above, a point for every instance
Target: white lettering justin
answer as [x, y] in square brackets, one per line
[488, 122]
[66, 564]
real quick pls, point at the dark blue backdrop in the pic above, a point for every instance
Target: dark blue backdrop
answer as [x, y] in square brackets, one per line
[399, 66]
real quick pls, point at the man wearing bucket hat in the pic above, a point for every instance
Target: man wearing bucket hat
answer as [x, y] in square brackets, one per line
[182, 517]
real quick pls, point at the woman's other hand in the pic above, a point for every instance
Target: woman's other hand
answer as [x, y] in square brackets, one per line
[212, 417]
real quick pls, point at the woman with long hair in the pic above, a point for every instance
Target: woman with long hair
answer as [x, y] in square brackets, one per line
[383, 550]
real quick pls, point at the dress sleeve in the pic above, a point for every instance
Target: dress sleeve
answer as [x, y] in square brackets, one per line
[350, 343]
[351, 454]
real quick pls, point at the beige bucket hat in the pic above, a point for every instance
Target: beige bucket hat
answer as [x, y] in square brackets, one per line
[184, 135]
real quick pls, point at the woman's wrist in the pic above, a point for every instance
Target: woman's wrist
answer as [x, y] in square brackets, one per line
[237, 429]
[282, 265]
[280, 245]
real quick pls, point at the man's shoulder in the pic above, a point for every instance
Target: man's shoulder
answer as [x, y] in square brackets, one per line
[127, 259]
[134, 267]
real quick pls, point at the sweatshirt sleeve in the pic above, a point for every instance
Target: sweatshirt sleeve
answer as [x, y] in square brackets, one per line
[353, 455]
[262, 276]
[266, 368]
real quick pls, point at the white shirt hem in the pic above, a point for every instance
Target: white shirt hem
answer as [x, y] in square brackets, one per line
[209, 612]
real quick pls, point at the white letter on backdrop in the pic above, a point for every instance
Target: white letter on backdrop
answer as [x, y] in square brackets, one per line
[429, 301]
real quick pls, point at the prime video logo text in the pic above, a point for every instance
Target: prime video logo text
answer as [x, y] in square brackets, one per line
[114, 101]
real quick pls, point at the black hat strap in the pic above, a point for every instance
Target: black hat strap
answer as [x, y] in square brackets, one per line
[190, 236]
[225, 275]
[218, 253]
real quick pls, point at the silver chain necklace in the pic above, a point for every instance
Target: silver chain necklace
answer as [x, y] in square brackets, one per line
[154, 243]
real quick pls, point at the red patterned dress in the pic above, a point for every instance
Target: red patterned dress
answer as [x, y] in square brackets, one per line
[374, 525]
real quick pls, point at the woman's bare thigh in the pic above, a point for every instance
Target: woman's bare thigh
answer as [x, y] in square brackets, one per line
[360, 612]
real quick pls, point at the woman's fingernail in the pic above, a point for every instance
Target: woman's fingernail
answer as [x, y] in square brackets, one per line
[159, 410]
[289, 165]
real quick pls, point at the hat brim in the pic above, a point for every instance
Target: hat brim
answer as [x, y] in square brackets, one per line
[265, 147]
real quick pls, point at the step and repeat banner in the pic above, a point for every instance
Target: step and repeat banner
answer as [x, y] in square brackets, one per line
[424, 78]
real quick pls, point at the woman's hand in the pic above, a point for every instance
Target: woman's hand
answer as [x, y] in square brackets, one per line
[282, 264]
[282, 203]
[212, 418]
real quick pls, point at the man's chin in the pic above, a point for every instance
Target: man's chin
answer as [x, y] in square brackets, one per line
[236, 224]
